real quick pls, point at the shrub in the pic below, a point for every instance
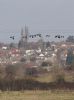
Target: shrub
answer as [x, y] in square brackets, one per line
[23, 60]
[44, 64]
[60, 79]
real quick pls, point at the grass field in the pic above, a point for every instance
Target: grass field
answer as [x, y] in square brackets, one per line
[37, 95]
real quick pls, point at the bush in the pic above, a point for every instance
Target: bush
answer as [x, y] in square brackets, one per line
[31, 72]
[60, 79]
[23, 60]
[44, 64]
[33, 59]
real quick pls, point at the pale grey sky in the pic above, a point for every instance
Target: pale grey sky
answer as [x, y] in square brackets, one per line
[39, 15]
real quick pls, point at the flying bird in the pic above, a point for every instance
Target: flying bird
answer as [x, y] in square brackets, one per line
[12, 37]
[59, 36]
[47, 35]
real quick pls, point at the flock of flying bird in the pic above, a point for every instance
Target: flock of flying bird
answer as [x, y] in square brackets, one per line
[38, 35]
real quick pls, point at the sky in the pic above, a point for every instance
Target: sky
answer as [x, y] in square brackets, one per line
[41, 16]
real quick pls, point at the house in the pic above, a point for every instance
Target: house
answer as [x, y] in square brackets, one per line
[14, 52]
[4, 48]
[41, 56]
[29, 52]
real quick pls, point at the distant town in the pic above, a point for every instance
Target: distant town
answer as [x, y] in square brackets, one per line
[35, 60]
[36, 54]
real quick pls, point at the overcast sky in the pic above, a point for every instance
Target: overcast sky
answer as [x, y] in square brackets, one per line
[44, 16]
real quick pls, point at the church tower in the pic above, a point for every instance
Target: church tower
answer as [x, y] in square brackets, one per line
[24, 38]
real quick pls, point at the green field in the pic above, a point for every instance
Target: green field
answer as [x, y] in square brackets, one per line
[37, 95]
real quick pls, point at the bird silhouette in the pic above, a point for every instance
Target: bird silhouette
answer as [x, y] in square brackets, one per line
[12, 37]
